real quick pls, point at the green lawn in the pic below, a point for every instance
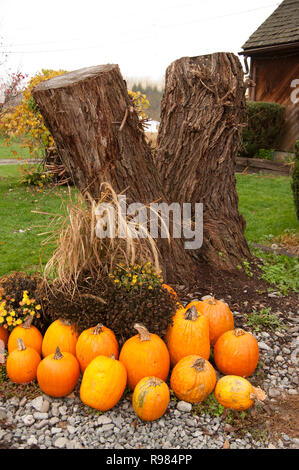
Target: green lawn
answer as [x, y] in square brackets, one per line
[14, 150]
[20, 242]
[266, 203]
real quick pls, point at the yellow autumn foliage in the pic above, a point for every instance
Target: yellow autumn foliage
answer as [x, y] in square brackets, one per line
[25, 120]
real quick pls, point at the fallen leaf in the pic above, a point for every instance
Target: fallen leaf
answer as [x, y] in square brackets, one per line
[226, 444]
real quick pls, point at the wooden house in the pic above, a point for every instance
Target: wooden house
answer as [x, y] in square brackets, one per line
[273, 50]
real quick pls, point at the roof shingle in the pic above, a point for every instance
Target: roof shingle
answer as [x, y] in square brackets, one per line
[281, 27]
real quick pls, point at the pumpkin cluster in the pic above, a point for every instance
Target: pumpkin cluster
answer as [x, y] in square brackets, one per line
[143, 363]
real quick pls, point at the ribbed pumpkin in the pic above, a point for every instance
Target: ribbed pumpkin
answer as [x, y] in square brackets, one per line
[95, 341]
[219, 315]
[189, 334]
[62, 334]
[236, 352]
[30, 335]
[193, 378]
[4, 333]
[143, 355]
[58, 373]
[22, 363]
[236, 392]
[170, 290]
[103, 383]
[150, 398]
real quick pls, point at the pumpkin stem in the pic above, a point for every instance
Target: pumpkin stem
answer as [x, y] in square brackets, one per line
[58, 355]
[258, 394]
[191, 313]
[154, 381]
[199, 364]
[143, 332]
[27, 322]
[212, 301]
[65, 321]
[239, 332]
[21, 345]
[97, 329]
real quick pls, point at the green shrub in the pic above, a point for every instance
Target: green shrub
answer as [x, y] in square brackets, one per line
[295, 179]
[264, 126]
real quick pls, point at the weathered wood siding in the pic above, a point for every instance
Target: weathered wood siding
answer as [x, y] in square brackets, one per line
[273, 77]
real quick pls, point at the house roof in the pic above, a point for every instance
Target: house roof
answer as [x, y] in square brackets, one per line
[281, 27]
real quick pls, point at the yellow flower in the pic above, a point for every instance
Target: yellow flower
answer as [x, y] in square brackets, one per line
[19, 321]
[1, 319]
[38, 307]
[150, 287]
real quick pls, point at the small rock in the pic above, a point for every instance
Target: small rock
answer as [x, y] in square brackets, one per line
[23, 401]
[32, 441]
[61, 442]
[184, 406]
[45, 406]
[273, 393]
[63, 410]
[37, 403]
[71, 429]
[107, 427]
[38, 415]
[103, 419]
[292, 391]
[263, 345]
[28, 420]
[41, 424]
[279, 358]
[3, 414]
[271, 446]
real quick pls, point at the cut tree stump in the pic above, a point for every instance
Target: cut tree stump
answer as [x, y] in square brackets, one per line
[199, 137]
[100, 139]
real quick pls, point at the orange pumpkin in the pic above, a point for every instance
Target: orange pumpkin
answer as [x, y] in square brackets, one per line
[150, 398]
[96, 341]
[189, 334]
[170, 290]
[22, 363]
[4, 333]
[236, 352]
[103, 383]
[193, 378]
[62, 334]
[30, 335]
[219, 315]
[144, 354]
[58, 373]
[236, 392]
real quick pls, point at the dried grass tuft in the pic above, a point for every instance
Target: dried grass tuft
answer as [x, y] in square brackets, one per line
[80, 252]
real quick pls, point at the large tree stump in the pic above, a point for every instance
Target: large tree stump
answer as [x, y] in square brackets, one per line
[199, 137]
[99, 138]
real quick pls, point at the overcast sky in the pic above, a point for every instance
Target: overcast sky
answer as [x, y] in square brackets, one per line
[143, 37]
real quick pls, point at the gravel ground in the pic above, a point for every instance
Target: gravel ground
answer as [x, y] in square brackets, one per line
[51, 423]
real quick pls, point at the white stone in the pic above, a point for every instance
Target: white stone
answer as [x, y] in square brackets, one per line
[32, 441]
[61, 442]
[28, 420]
[184, 406]
[103, 419]
[37, 403]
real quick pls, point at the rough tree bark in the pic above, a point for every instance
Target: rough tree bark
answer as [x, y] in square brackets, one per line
[99, 138]
[199, 136]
